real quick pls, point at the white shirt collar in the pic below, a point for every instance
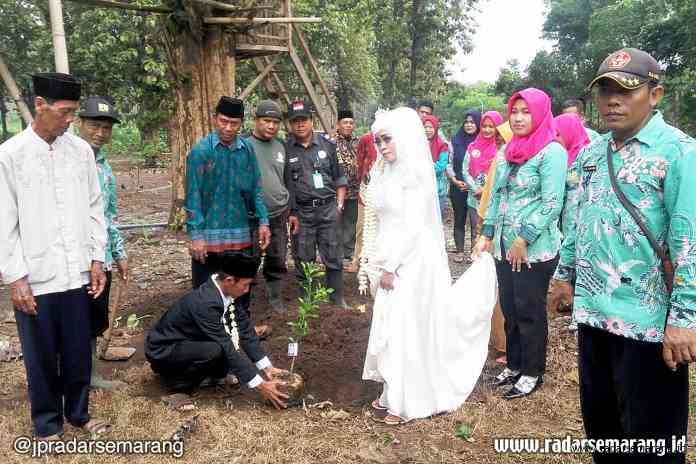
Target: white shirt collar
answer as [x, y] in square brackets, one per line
[226, 300]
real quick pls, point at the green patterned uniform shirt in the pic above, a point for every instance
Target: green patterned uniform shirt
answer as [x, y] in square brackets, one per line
[620, 285]
[526, 201]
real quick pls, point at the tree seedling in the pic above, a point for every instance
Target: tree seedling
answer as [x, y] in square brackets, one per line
[314, 293]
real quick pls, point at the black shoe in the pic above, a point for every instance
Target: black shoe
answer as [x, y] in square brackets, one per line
[515, 393]
[510, 380]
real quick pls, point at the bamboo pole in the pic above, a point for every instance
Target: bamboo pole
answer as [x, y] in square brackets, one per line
[281, 92]
[315, 68]
[126, 6]
[218, 20]
[250, 88]
[226, 6]
[309, 87]
[60, 49]
[14, 92]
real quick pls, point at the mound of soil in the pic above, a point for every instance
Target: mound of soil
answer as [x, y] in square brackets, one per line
[331, 358]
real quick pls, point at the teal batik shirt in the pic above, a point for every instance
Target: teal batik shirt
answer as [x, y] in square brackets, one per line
[115, 246]
[474, 183]
[526, 201]
[592, 134]
[440, 174]
[620, 285]
[222, 185]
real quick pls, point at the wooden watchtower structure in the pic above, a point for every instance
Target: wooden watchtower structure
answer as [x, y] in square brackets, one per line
[204, 51]
[203, 40]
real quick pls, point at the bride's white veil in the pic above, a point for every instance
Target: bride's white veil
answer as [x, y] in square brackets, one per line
[413, 166]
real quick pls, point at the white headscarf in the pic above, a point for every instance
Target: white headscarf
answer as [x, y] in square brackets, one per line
[413, 167]
[411, 171]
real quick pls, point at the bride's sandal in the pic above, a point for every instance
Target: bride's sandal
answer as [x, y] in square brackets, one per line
[392, 419]
[377, 406]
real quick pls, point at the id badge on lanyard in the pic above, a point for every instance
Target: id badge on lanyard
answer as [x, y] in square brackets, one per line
[318, 180]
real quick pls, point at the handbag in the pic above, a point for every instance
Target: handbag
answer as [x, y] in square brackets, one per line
[667, 266]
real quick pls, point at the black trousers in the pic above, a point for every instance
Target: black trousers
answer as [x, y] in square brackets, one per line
[523, 302]
[346, 228]
[627, 391]
[275, 262]
[99, 310]
[201, 272]
[473, 224]
[318, 229]
[58, 333]
[459, 207]
[189, 363]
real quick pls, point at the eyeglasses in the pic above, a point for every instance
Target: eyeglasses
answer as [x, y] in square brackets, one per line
[385, 139]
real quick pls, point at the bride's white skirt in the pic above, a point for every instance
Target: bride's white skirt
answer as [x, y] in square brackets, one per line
[429, 340]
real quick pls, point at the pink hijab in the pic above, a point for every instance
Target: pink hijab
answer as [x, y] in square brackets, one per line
[572, 134]
[482, 150]
[437, 145]
[522, 149]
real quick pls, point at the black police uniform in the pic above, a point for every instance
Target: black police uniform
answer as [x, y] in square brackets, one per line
[314, 203]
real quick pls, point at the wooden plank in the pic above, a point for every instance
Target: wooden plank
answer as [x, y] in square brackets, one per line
[228, 7]
[219, 20]
[267, 37]
[261, 48]
[309, 87]
[257, 80]
[315, 68]
[278, 82]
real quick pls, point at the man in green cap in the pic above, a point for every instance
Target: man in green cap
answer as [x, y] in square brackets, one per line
[270, 156]
[96, 122]
[632, 250]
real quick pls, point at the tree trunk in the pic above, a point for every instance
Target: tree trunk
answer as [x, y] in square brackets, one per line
[204, 71]
[3, 118]
[416, 43]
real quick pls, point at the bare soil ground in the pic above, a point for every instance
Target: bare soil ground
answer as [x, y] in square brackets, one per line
[231, 426]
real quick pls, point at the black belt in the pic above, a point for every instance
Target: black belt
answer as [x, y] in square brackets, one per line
[317, 202]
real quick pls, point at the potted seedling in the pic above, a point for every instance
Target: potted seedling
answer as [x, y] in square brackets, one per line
[314, 293]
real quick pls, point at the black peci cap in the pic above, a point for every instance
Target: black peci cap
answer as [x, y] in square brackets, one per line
[230, 107]
[57, 86]
[345, 114]
[236, 264]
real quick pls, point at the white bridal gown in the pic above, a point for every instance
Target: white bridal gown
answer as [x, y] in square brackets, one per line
[429, 338]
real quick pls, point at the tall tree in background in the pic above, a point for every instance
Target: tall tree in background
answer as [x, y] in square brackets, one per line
[415, 39]
[112, 52]
[586, 31]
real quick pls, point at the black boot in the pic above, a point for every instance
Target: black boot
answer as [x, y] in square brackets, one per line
[334, 280]
[275, 298]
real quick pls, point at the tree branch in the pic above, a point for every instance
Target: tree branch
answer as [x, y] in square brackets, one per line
[126, 6]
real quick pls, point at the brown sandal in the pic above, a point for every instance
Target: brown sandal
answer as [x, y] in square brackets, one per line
[377, 406]
[96, 428]
[392, 419]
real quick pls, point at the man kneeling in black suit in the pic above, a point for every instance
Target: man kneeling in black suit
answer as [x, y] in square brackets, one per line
[199, 338]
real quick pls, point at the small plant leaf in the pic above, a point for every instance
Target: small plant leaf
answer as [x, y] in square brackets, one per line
[463, 431]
